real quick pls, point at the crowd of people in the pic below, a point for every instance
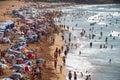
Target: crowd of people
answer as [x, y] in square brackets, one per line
[25, 63]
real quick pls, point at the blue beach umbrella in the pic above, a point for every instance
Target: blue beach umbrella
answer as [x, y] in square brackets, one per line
[10, 51]
[40, 60]
[16, 74]
[17, 66]
[28, 63]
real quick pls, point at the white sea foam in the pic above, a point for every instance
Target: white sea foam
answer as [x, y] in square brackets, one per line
[114, 33]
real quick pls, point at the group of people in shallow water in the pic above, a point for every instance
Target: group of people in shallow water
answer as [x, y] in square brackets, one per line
[91, 36]
[74, 76]
[83, 33]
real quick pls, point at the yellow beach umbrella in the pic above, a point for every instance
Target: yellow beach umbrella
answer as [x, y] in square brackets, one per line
[20, 38]
[24, 51]
[42, 17]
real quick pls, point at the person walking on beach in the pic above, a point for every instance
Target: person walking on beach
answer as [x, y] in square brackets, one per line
[65, 53]
[75, 76]
[55, 63]
[64, 60]
[61, 68]
[59, 52]
[62, 48]
[70, 75]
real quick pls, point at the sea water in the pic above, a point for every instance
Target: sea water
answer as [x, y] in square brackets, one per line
[93, 61]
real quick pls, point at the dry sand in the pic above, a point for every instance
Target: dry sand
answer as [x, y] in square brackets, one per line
[45, 50]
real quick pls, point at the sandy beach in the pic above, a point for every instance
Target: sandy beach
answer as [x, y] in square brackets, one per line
[44, 49]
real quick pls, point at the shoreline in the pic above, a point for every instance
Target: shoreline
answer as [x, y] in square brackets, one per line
[58, 43]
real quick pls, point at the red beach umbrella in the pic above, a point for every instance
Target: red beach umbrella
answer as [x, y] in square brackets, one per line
[31, 55]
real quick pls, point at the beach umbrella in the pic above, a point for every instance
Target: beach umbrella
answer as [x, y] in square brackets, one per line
[10, 51]
[16, 74]
[17, 52]
[17, 66]
[31, 55]
[1, 63]
[40, 60]
[21, 56]
[24, 51]
[20, 38]
[38, 30]
[11, 56]
[21, 47]
[7, 79]
[27, 68]
[28, 62]
[19, 60]
[4, 66]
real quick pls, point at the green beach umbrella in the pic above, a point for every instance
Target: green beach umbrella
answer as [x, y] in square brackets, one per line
[0, 63]
[22, 56]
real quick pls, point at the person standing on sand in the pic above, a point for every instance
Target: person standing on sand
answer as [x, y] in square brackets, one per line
[70, 75]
